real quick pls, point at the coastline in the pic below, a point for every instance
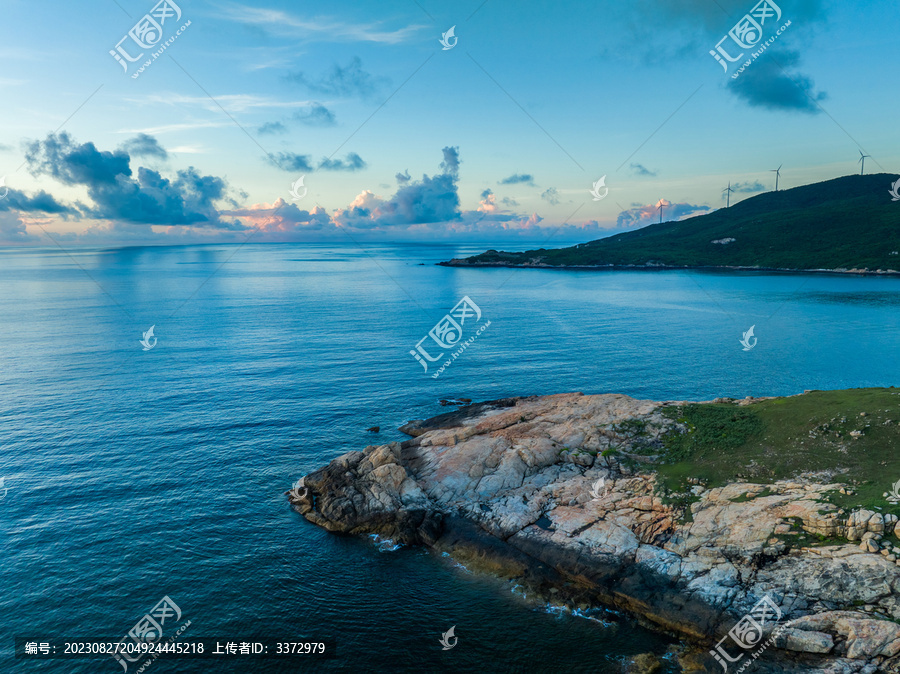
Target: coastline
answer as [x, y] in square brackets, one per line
[662, 267]
[522, 488]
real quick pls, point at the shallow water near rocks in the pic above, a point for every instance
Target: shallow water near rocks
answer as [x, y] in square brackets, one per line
[132, 475]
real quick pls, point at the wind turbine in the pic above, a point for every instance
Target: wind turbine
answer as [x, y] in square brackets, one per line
[777, 173]
[862, 160]
[661, 205]
[728, 192]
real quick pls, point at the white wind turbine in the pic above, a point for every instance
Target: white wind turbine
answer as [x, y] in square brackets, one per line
[777, 173]
[728, 192]
[862, 160]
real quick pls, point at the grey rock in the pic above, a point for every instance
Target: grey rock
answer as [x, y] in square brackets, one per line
[805, 641]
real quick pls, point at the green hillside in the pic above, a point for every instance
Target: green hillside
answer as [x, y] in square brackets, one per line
[851, 435]
[845, 223]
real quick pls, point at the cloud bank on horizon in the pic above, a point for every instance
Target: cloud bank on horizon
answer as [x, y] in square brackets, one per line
[128, 204]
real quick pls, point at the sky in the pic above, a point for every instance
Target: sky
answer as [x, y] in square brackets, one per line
[281, 121]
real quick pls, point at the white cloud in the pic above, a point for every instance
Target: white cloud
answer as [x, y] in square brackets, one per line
[231, 102]
[288, 25]
[188, 149]
[183, 126]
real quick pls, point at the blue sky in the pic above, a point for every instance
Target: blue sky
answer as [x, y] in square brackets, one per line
[501, 136]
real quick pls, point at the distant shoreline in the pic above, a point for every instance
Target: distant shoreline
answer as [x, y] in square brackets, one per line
[664, 267]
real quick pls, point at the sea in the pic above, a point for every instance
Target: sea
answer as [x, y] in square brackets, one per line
[144, 471]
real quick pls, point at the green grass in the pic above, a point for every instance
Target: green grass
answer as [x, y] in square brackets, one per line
[804, 539]
[750, 496]
[711, 428]
[630, 428]
[798, 538]
[781, 438]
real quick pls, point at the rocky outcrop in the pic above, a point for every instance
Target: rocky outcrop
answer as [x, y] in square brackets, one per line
[539, 489]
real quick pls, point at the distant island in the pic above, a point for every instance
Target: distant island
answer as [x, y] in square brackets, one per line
[848, 225]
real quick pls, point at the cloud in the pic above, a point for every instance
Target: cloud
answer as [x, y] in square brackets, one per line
[144, 145]
[488, 203]
[12, 230]
[41, 202]
[315, 115]
[642, 170]
[427, 201]
[271, 128]
[284, 218]
[506, 201]
[348, 81]
[130, 208]
[180, 126]
[430, 200]
[233, 103]
[755, 186]
[73, 164]
[693, 27]
[291, 161]
[450, 165]
[187, 149]
[517, 178]
[285, 222]
[353, 162]
[551, 194]
[766, 83]
[147, 199]
[649, 214]
[310, 114]
[119, 232]
[332, 30]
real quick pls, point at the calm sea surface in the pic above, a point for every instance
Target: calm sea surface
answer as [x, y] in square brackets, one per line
[131, 474]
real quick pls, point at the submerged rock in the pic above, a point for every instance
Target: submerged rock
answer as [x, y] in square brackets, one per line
[645, 663]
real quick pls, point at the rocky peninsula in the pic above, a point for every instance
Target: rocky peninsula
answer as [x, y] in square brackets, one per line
[668, 511]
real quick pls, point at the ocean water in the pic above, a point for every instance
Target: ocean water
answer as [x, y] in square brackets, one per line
[130, 475]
